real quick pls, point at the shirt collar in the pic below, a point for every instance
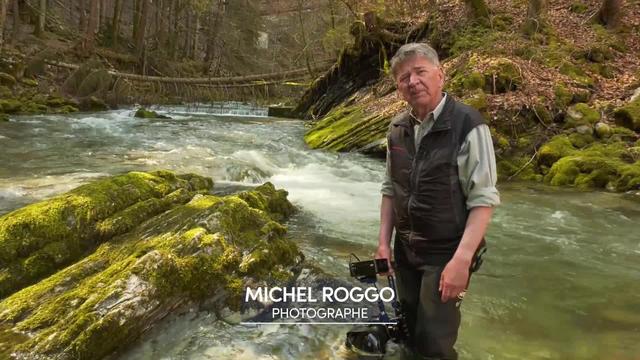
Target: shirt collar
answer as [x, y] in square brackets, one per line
[435, 113]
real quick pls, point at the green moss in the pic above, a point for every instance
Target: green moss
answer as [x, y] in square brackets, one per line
[7, 80]
[348, 128]
[477, 99]
[583, 171]
[10, 106]
[578, 8]
[518, 167]
[147, 114]
[29, 82]
[502, 76]
[581, 140]
[563, 96]
[40, 238]
[475, 80]
[576, 74]
[628, 115]
[189, 253]
[581, 114]
[5, 92]
[559, 146]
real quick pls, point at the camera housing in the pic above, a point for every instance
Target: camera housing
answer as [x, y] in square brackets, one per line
[368, 269]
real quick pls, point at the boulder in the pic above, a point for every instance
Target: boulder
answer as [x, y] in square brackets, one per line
[7, 80]
[148, 114]
[603, 130]
[629, 115]
[158, 247]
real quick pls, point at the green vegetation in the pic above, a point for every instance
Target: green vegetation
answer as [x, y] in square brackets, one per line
[203, 247]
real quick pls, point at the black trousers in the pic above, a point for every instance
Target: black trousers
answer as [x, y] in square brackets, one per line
[433, 325]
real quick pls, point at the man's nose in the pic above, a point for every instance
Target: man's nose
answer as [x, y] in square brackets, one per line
[413, 79]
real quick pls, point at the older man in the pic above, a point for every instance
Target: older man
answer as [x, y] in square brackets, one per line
[438, 196]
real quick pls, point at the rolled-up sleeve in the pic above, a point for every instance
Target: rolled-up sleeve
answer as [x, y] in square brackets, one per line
[387, 185]
[477, 168]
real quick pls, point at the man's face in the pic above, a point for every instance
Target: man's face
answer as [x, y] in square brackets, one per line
[420, 83]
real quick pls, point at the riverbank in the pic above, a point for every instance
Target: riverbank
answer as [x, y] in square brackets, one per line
[563, 105]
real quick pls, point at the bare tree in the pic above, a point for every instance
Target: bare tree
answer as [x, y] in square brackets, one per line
[16, 21]
[535, 21]
[92, 26]
[142, 26]
[478, 8]
[115, 23]
[3, 16]
[609, 13]
[42, 16]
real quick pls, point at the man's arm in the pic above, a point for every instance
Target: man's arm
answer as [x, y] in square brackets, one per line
[477, 169]
[455, 275]
[386, 229]
[387, 217]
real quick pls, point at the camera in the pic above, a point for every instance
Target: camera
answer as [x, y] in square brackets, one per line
[371, 339]
[368, 269]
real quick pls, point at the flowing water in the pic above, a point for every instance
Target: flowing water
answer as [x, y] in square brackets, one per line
[561, 279]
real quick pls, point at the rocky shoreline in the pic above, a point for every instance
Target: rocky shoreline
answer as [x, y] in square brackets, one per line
[117, 255]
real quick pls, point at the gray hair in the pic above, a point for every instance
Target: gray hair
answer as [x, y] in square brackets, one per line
[413, 49]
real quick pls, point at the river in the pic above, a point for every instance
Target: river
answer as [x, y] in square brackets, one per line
[561, 278]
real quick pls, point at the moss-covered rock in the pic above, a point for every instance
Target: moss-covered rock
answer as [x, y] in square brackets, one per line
[5, 92]
[208, 247]
[29, 82]
[148, 114]
[629, 115]
[477, 100]
[502, 76]
[603, 130]
[39, 239]
[349, 128]
[10, 106]
[576, 73]
[581, 114]
[563, 96]
[559, 146]
[7, 80]
[4, 117]
[93, 103]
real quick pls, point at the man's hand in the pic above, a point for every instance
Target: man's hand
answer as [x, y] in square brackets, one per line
[384, 252]
[454, 279]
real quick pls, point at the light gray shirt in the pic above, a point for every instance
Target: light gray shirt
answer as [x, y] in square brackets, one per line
[476, 162]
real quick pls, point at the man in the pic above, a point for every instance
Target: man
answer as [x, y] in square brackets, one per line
[438, 196]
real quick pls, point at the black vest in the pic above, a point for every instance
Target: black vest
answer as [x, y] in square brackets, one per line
[430, 206]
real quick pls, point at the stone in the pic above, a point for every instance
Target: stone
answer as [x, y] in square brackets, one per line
[7, 80]
[159, 242]
[148, 114]
[629, 115]
[603, 130]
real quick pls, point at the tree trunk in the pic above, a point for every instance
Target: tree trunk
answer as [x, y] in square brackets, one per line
[16, 21]
[42, 15]
[478, 8]
[304, 40]
[3, 16]
[174, 34]
[92, 26]
[535, 21]
[609, 13]
[196, 30]
[82, 20]
[142, 26]
[212, 33]
[115, 24]
[136, 18]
